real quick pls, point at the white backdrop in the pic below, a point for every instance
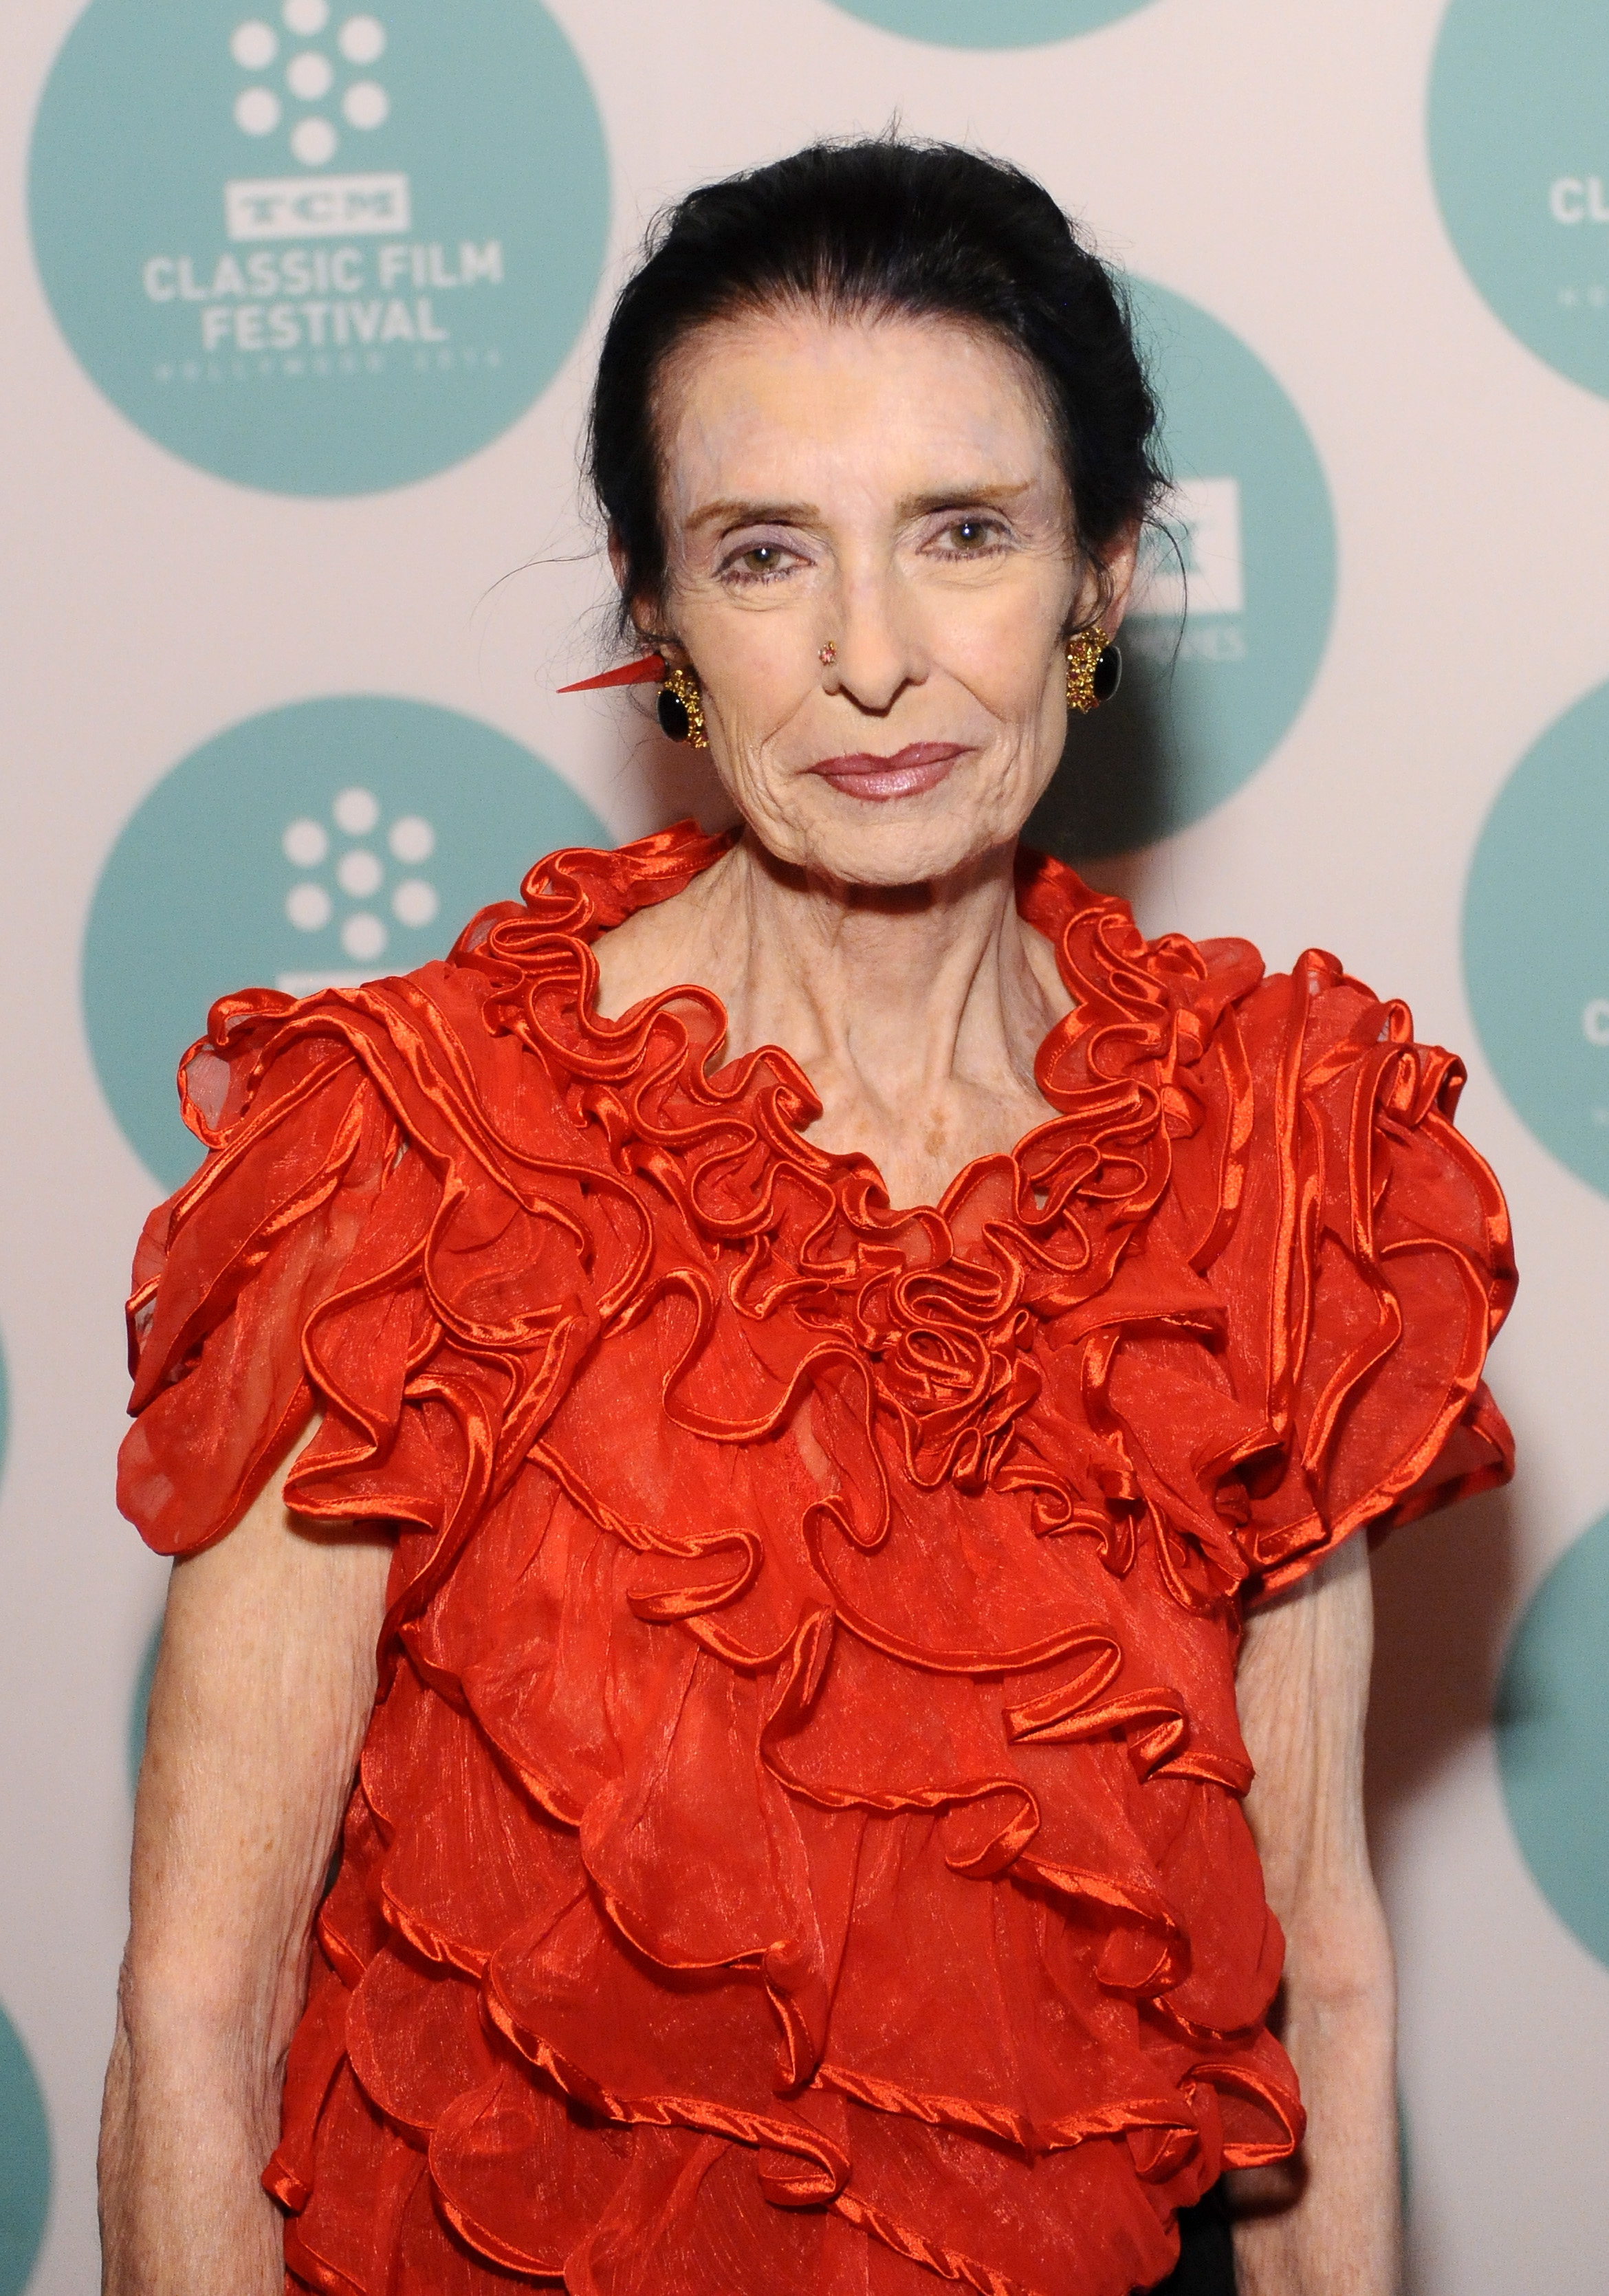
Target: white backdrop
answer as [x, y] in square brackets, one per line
[1267, 162]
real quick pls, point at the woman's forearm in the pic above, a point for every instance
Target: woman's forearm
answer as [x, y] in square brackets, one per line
[1328, 2224]
[187, 2125]
[264, 1685]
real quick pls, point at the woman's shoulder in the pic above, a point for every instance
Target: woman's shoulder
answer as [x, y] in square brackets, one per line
[353, 1137]
[1293, 1144]
[1315, 1013]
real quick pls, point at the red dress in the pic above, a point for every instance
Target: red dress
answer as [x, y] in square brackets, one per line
[798, 1847]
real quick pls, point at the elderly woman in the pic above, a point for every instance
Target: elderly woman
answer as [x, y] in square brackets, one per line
[823, 1604]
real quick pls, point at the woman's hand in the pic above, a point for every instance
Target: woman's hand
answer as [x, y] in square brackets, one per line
[1327, 2224]
[263, 1691]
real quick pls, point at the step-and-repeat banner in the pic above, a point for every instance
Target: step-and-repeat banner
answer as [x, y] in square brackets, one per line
[301, 299]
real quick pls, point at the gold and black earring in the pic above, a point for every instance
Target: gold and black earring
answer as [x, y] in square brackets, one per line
[680, 709]
[1094, 669]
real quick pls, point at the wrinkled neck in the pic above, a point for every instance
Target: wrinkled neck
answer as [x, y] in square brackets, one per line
[903, 989]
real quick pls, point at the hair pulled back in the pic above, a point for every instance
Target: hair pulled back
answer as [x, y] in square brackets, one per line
[879, 227]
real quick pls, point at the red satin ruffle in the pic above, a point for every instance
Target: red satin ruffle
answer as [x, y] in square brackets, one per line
[798, 1846]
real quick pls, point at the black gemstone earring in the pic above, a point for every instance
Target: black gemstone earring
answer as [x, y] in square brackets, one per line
[680, 709]
[1094, 669]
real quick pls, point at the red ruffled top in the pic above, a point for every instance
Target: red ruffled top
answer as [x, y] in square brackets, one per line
[798, 1846]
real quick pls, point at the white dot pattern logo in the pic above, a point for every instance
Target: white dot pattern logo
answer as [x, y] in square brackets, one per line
[229, 876]
[310, 78]
[348, 910]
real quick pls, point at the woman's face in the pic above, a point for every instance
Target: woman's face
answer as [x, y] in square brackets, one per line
[889, 489]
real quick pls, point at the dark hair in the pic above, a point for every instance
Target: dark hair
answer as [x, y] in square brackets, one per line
[881, 226]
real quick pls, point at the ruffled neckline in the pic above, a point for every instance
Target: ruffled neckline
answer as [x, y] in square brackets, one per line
[1137, 1011]
[835, 1165]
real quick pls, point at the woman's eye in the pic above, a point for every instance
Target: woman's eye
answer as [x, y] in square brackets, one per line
[761, 560]
[970, 536]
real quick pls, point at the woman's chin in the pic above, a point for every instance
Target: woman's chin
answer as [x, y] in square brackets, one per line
[916, 840]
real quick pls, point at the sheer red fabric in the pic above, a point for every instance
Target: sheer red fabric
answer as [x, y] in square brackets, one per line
[798, 1846]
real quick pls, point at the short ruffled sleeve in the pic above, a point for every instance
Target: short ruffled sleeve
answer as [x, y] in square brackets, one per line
[232, 1269]
[1368, 1267]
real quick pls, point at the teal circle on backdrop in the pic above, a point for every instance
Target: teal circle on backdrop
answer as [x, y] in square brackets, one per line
[1553, 1738]
[333, 841]
[1519, 147]
[990, 23]
[1232, 608]
[1536, 940]
[25, 2163]
[317, 246]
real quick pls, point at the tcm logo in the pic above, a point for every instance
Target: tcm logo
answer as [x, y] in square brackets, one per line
[331, 207]
[1208, 576]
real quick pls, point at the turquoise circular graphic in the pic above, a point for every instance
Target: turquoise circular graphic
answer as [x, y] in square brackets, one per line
[1553, 1738]
[1519, 146]
[25, 2163]
[1536, 940]
[990, 23]
[1231, 609]
[313, 249]
[326, 843]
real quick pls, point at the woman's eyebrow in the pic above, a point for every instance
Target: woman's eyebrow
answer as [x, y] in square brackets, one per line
[977, 490]
[731, 513]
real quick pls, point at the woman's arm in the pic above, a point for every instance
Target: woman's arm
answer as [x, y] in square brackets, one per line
[263, 1691]
[1327, 2224]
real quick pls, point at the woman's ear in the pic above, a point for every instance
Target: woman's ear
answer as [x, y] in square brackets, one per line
[1117, 569]
[617, 566]
[643, 620]
[1105, 582]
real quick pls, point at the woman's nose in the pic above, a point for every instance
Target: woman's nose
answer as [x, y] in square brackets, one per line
[877, 651]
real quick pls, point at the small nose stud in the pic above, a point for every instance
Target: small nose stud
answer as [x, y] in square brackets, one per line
[828, 655]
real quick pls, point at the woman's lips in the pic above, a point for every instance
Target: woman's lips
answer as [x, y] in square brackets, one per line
[920, 766]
